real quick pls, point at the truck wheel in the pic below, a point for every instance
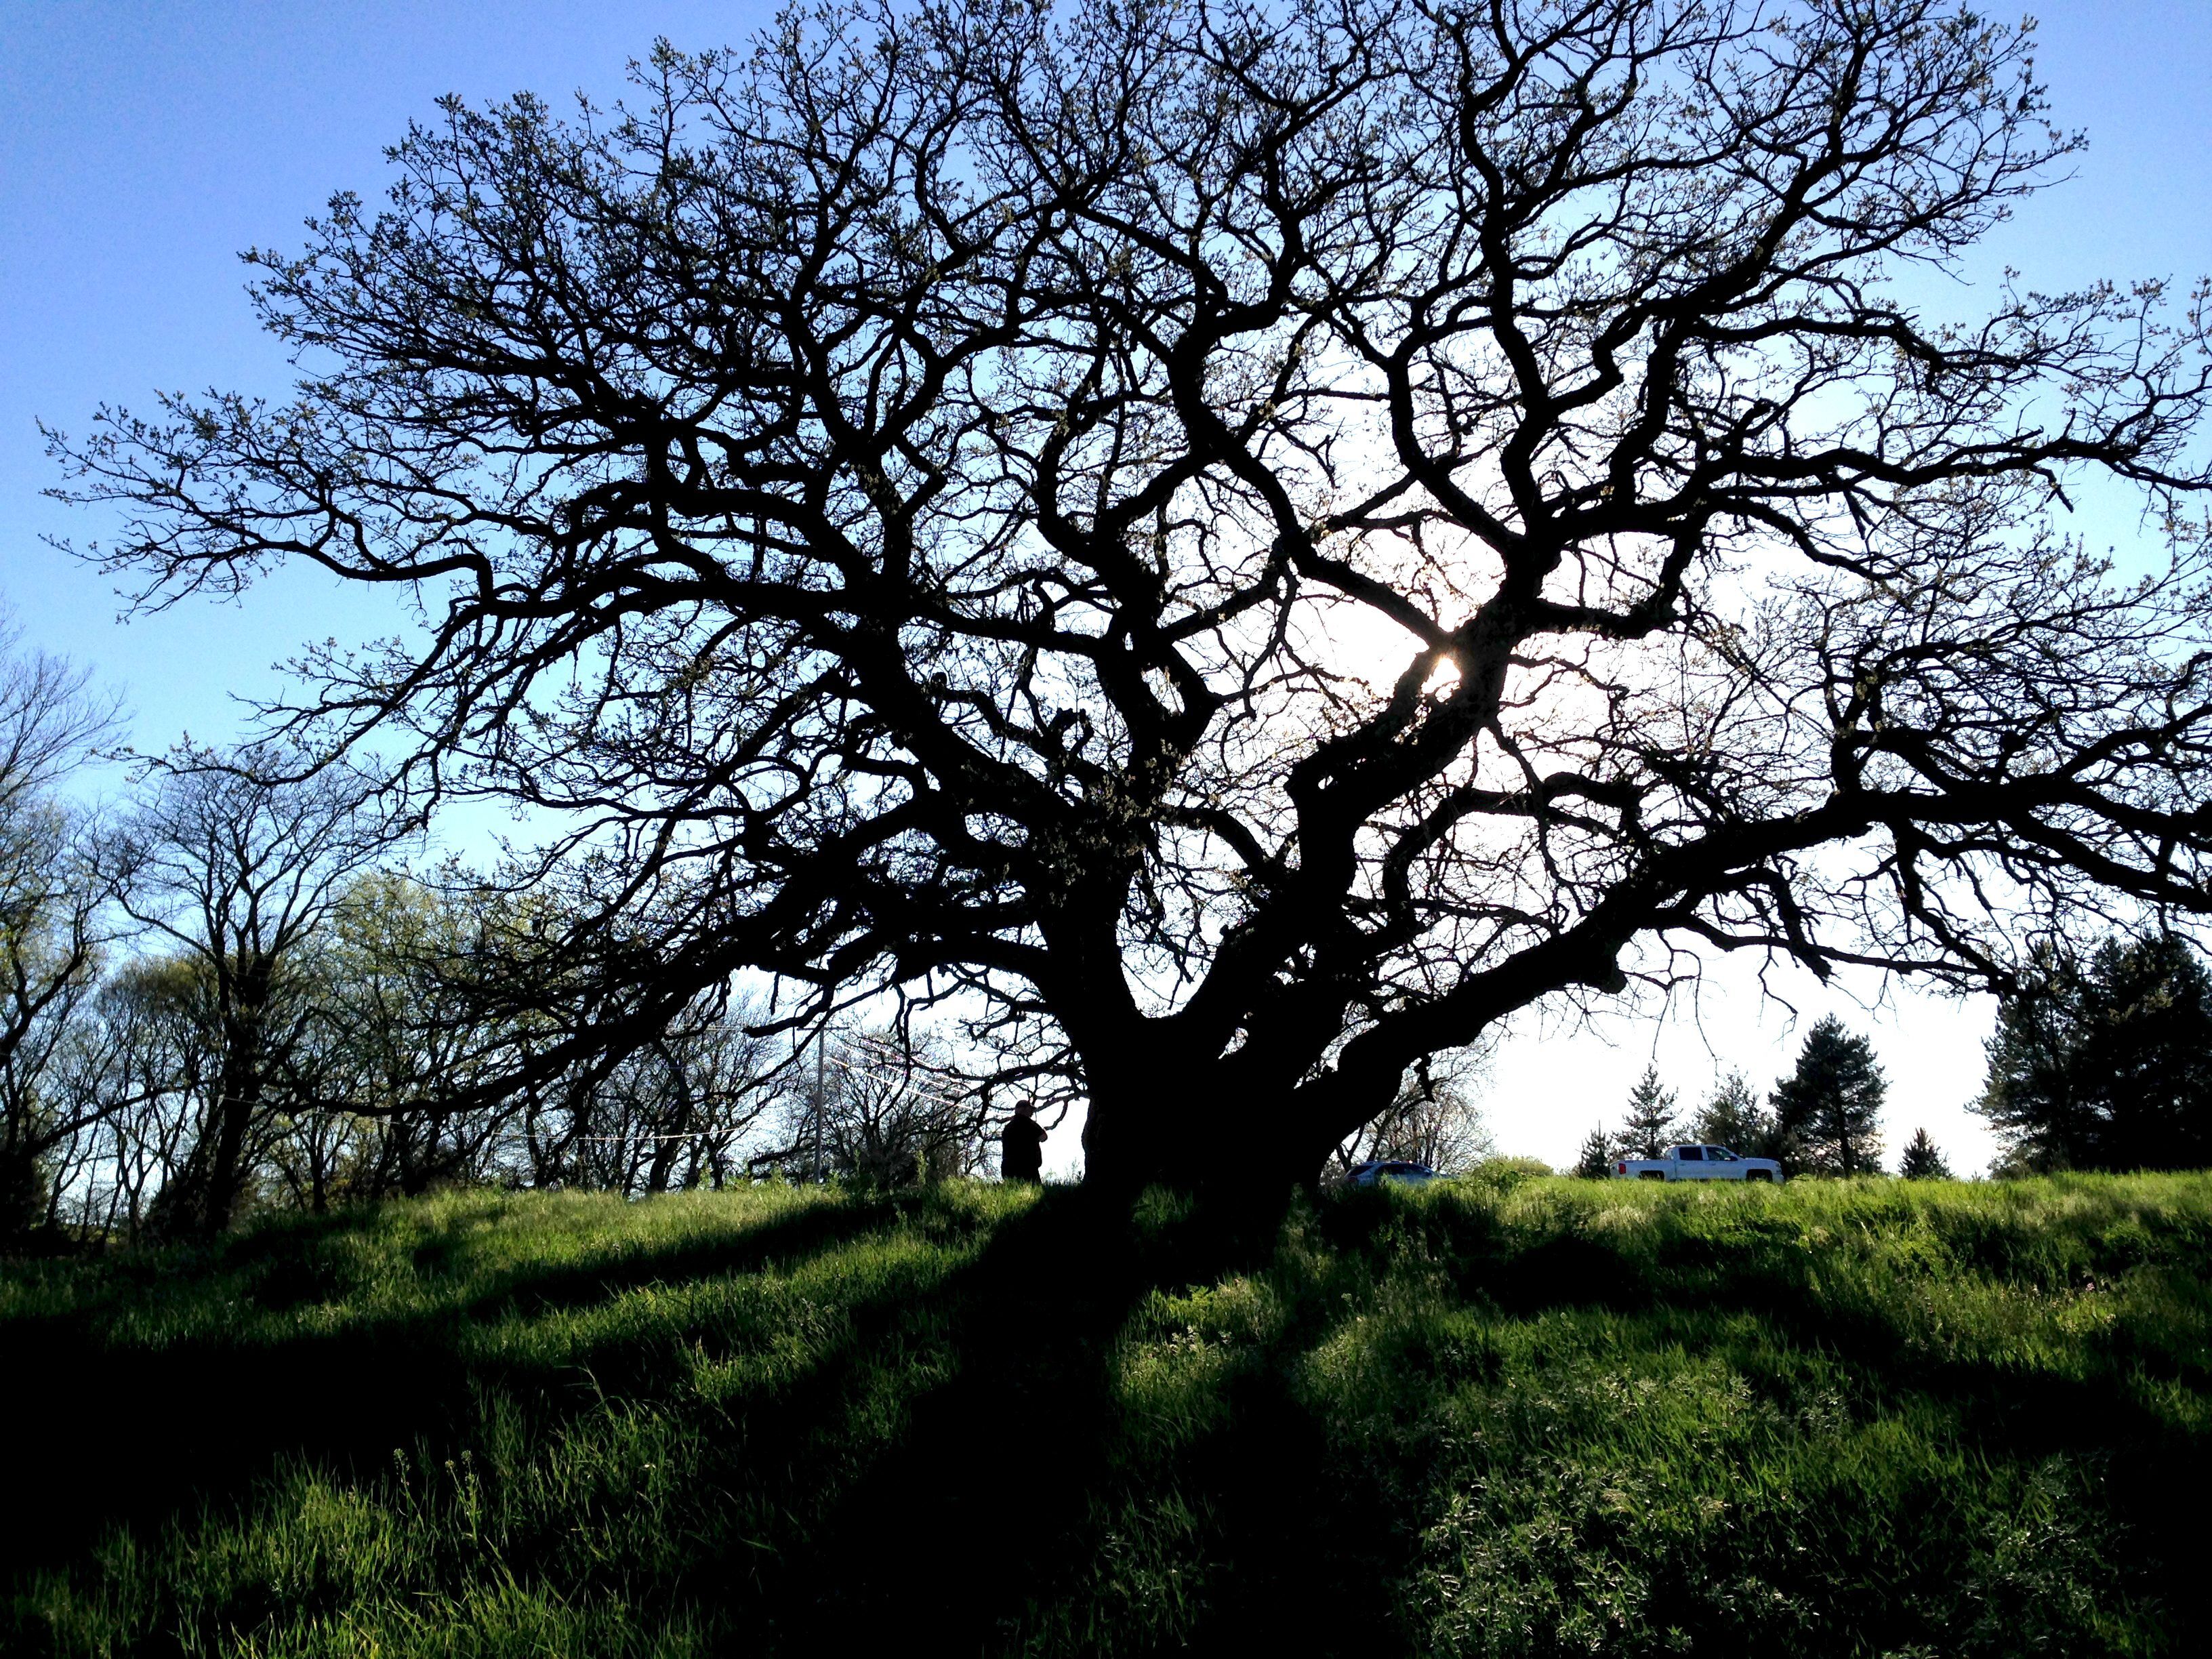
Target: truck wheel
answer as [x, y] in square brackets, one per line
[1650, 1175]
[1767, 1175]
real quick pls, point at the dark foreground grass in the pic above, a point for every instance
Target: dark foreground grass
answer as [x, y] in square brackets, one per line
[1492, 1418]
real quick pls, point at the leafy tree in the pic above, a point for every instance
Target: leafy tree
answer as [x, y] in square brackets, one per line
[1246, 542]
[1649, 1128]
[428, 998]
[1734, 1119]
[406, 1051]
[1595, 1160]
[1922, 1161]
[1827, 1112]
[2105, 1064]
[387, 1042]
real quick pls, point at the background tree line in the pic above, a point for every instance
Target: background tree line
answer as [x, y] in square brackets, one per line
[2101, 1059]
[228, 991]
[1822, 1119]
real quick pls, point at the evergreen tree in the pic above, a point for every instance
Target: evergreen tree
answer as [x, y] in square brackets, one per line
[1826, 1113]
[1734, 1118]
[2106, 1063]
[1649, 1126]
[1922, 1162]
[1595, 1163]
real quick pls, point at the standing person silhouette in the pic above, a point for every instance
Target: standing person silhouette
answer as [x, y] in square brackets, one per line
[1021, 1147]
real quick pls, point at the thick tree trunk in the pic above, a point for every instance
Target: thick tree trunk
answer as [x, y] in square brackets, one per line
[205, 1197]
[1199, 1133]
[23, 1187]
[240, 1102]
[1130, 1142]
[666, 1149]
[202, 1200]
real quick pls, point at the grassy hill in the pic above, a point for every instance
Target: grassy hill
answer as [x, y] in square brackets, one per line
[1499, 1417]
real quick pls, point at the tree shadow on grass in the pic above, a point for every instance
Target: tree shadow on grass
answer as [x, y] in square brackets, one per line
[971, 1501]
[991, 1513]
[104, 1433]
[997, 1466]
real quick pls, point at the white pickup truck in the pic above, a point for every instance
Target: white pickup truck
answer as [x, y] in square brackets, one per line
[1697, 1163]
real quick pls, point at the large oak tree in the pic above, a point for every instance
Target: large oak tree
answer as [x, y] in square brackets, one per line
[1241, 543]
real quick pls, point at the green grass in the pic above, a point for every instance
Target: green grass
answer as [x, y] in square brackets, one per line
[1495, 1417]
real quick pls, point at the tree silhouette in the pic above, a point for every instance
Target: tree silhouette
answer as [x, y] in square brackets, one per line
[1648, 1127]
[1234, 546]
[2105, 1064]
[1827, 1112]
[234, 866]
[53, 920]
[1921, 1161]
[1595, 1160]
[1734, 1119]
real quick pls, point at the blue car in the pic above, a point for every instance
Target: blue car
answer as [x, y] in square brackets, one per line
[1402, 1172]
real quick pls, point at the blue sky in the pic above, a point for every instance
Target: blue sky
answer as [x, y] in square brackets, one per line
[143, 145]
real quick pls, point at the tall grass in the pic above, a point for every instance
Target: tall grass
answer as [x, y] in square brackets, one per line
[1496, 1417]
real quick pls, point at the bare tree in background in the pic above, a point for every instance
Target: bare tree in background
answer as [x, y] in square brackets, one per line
[678, 1113]
[1249, 543]
[1436, 1120]
[141, 1071]
[52, 722]
[884, 1107]
[235, 862]
[54, 919]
